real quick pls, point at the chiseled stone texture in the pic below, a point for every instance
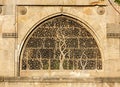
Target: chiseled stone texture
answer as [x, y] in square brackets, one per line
[60, 2]
[20, 16]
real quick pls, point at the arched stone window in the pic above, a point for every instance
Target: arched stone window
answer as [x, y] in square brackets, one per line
[60, 43]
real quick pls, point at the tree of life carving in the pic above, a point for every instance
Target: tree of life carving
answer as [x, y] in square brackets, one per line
[60, 38]
[83, 62]
[61, 43]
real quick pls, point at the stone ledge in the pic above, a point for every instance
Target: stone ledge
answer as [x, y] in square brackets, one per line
[61, 2]
[61, 80]
[62, 5]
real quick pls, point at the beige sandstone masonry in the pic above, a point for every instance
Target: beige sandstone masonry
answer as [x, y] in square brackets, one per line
[18, 17]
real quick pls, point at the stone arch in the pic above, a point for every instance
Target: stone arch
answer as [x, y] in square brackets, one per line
[60, 43]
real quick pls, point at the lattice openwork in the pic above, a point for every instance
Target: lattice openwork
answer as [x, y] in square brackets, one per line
[61, 43]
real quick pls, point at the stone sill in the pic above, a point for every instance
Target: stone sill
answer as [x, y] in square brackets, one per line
[103, 5]
[61, 80]
[61, 2]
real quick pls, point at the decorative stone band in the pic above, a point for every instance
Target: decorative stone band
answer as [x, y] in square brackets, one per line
[113, 30]
[9, 35]
[61, 80]
[113, 35]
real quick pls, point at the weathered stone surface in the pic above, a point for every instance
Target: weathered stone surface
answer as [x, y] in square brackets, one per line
[61, 2]
[21, 16]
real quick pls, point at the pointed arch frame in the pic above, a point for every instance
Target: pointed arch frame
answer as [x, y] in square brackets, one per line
[79, 20]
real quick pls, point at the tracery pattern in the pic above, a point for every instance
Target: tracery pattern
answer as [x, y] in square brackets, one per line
[61, 43]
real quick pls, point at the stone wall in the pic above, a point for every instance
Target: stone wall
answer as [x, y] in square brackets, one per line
[18, 17]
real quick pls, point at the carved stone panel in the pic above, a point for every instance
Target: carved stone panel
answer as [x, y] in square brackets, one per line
[60, 43]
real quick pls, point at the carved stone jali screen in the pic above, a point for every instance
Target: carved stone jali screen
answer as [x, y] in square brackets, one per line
[60, 43]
